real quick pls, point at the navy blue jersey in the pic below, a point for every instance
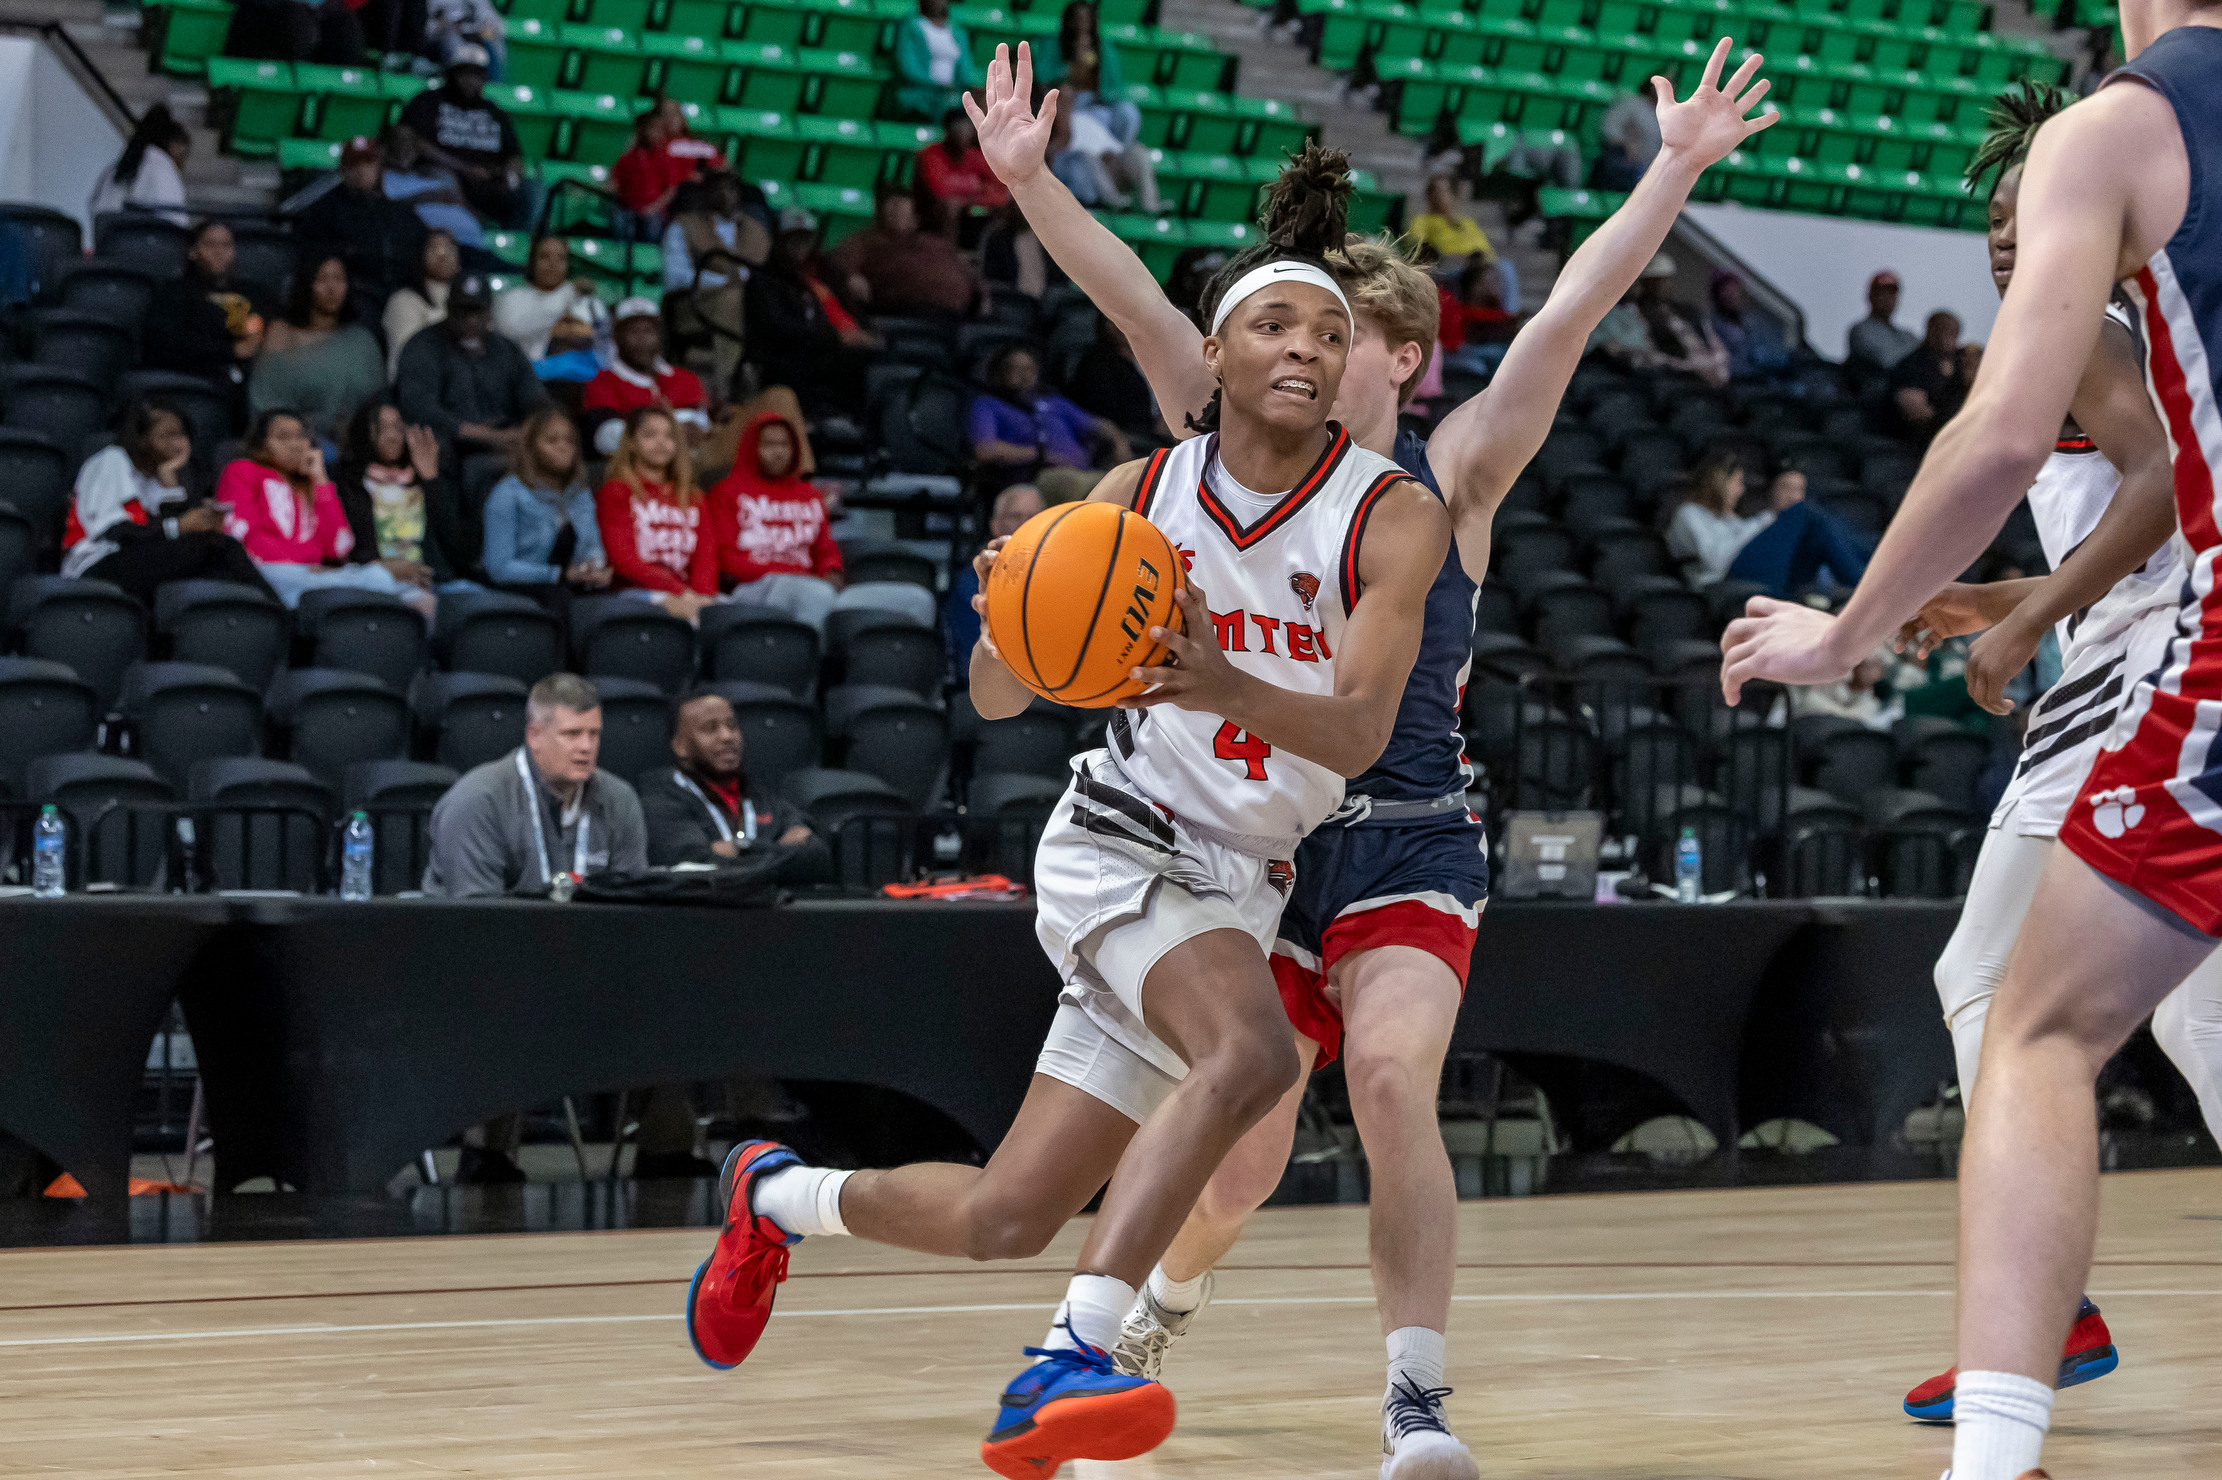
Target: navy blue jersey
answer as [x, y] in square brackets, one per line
[1425, 757]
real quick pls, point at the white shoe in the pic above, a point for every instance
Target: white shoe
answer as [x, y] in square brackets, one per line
[1149, 1331]
[1416, 1442]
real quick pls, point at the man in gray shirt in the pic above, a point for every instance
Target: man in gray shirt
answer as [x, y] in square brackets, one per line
[1875, 342]
[511, 825]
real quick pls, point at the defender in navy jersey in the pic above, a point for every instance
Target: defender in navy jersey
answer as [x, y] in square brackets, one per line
[2120, 188]
[1379, 929]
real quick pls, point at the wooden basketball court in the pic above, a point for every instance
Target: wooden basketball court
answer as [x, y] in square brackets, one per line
[1755, 1333]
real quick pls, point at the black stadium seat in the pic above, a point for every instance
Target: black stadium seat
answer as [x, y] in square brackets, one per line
[190, 712]
[761, 644]
[90, 625]
[866, 821]
[628, 638]
[1569, 609]
[779, 735]
[45, 709]
[881, 563]
[842, 623]
[64, 339]
[264, 255]
[35, 479]
[636, 727]
[497, 632]
[1854, 763]
[55, 240]
[224, 624]
[1028, 743]
[893, 735]
[1665, 614]
[19, 545]
[399, 796]
[467, 719]
[1496, 609]
[141, 240]
[330, 720]
[896, 652]
[119, 294]
[367, 631]
[243, 850]
[1517, 554]
[131, 847]
[394, 784]
[65, 408]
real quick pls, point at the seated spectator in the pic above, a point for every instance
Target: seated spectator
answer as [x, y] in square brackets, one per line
[511, 825]
[317, 362]
[1024, 433]
[551, 314]
[423, 300]
[1754, 342]
[451, 25]
[150, 174]
[322, 31]
[1476, 329]
[402, 513]
[800, 334]
[132, 522]
[1011, 256]
[1783, 548]
[470, 385]
[933, 62]
[898, 269]
[1630, 130]
[204, 324]
[287, 514]
[541, 532]
[1678, 340]
[381, 240]
[702, 810]
[774, 541]
[955, 172]
[473, 139]
[1858, 697]
[654, 528]
[1109, 383]
[1097, 167]
[641, 376]
[1087, 73]
[714, 241]
[960, 620]
[1455, 237]
[1928, 386]
[663, 156]
[1875, 344]
[410, 177]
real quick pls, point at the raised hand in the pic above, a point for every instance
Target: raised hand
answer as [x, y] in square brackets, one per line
[424, 451]
[1013, 137]
[1713, 120]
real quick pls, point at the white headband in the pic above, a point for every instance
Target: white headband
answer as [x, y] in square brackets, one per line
[1265, 274]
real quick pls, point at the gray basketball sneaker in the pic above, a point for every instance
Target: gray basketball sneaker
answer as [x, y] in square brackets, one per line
[1150, 1330]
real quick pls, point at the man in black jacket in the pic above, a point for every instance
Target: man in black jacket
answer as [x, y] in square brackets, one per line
[701, 810]
[380, 240]
[473, 387]
[205, 324]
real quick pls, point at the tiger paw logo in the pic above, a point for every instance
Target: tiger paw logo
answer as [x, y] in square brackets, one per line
[1281, 874]
[1306, 587]
[2116, 812]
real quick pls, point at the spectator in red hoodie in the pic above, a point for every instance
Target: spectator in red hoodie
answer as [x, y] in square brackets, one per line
[774, 540]
[955, 173]
[641, 376]
[663, 157]
[652, 518]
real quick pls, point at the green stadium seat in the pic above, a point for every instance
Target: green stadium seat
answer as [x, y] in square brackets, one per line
[1157, 240]
[845, 84]
[1561, 12]
[1181, 59]
[1215, 186]
[513, 247]
[771, 79]
[1370, 205]
[842, 151]
[1267, 126]
[1496, 139]
[600, 125]
[568, 211]
[775, 22]
[842, 210]
[550, 12]
[402, 86]
[762, 145]
[267, 103]
[1586, 209]
[1224, 236]
[899, 144]
[992, 25]
[308, 154]
[349, 100]
[604, 60]
[849, 25]
[626, 265]
[1204, 122]
[532, 110]
[713, 20]
[1516, 45]
[1349, 27]
[693, 69]
[623, 15]
[1621, 17]
[192, 31]
[536, 54]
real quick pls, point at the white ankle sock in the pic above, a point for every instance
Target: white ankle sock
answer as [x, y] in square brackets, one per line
[1177, 1296]
[1416, 1356]
[804, 1200]
[1093, 1307]
[1998, 1425]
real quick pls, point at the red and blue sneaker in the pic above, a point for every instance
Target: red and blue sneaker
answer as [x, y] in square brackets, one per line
[731, 1297]
[2089, 1355]
[1073, 1404]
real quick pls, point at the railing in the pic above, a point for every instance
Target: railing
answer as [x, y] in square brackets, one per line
[87, 72]
[196, 848]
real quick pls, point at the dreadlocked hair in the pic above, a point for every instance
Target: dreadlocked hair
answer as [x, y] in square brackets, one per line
[2014, 116]
[1306, 217]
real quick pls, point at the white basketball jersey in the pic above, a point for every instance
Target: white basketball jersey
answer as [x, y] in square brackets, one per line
[1280, 591]
[2068, 499]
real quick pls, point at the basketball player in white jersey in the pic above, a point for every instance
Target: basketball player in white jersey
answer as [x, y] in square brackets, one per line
[2130, 901]
[1379, 933]
[1161, 880]
[2105, 510]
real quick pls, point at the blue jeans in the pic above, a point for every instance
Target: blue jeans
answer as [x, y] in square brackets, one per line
[1790, 553]
[290, 581]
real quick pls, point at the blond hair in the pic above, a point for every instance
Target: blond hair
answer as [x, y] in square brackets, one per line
[1383, 285]
[625, 465]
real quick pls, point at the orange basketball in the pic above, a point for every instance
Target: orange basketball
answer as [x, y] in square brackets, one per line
[1072, 598]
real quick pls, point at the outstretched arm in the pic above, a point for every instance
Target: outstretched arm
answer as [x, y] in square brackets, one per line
[1481, 447]
[1345, 731]
[1015, 140]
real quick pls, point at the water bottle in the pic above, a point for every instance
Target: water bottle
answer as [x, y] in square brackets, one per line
[1689, 868]
[354, 854]
[48, 871]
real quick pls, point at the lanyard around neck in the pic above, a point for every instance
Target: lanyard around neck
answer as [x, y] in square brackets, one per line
[539, 827]
[717, 816]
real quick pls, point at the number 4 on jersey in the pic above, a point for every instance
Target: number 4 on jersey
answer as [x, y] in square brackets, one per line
[1231, 744]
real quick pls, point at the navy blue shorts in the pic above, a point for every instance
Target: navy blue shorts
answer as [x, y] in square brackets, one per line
[1419, 884]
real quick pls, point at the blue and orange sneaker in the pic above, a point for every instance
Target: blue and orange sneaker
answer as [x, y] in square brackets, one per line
[1074, 1404]
[2088, 1356]
[731, 1297]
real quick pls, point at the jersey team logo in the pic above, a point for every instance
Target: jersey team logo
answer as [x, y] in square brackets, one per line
[1281, 874]
[1306, 587]
[2116, 812]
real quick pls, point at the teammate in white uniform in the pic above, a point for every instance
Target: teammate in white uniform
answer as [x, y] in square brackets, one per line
[2104, 506]
[1161, 881]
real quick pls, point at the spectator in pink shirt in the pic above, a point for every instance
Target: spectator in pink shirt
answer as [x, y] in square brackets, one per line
[283, 509]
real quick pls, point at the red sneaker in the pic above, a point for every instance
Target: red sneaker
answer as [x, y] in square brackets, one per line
[731, 1297]
[2088, 1355]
